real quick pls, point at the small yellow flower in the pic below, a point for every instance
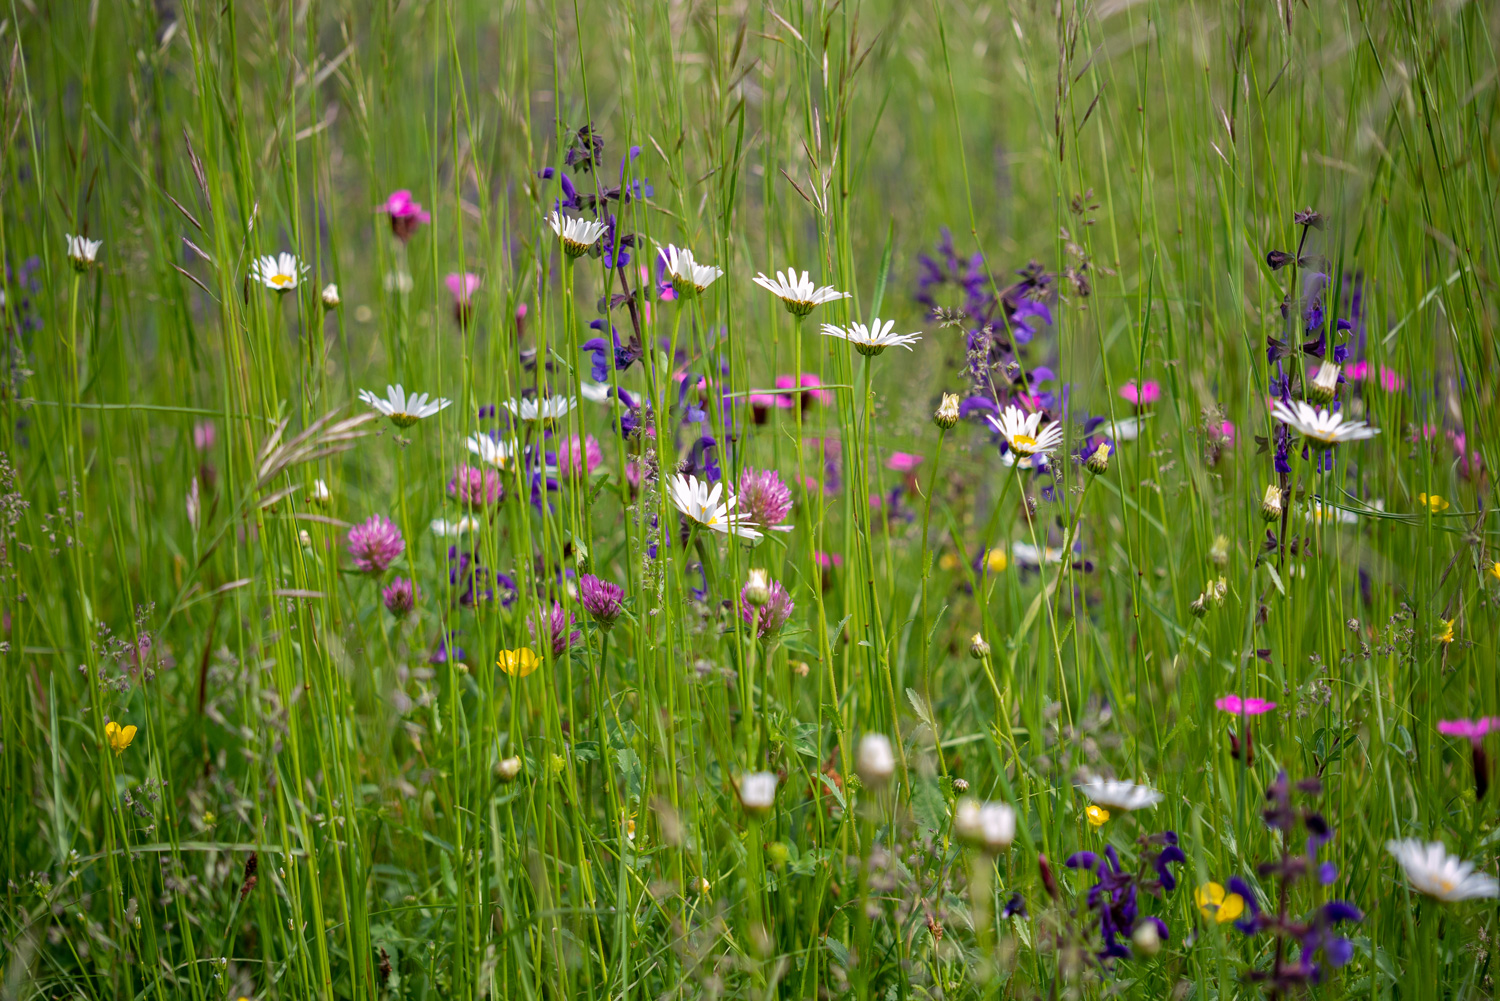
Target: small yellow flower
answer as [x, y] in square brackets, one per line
[1494, 569]
[1433, 503]
[518, 663]
[950, 562]
[1214, 903]
[119, 737]
[996, 560]
[1097, 816]
[1446, 636]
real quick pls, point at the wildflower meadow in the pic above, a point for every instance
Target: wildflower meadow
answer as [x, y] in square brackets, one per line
[519, 499]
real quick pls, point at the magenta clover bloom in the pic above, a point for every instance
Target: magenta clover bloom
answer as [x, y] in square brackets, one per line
[405, 214]
[572, 459]
[768, 618]
[602, 599]
[555, 625]
[763, 499]
[400, 597]
[1243, 707]
[476, 488]
[375, 544]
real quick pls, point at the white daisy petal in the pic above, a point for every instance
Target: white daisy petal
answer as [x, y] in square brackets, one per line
[871, 340]
[1432, 870]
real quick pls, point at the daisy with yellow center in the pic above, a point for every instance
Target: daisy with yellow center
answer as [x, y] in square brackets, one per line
[278, 272]
[1023, 432]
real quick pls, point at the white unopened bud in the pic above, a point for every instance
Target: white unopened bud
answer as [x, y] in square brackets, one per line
[991, 826]
[1098, 460]
[876, 762]
[1147, 938]
[508, 768]
[1219, 552]
[1325, 383]
[758, 588]
[320, 492]
[978, 648]
[947, 412]
[331, 298]
[758, 791]
[1271, 504]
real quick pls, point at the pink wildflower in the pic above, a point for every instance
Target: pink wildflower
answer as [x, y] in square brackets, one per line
[405, 214]
[571, 458]
[462, 287]
[763, 499]
[375, 544]
[1143, 395]
[1243, 707]
[1474, 729]
[475, 488]
[903, 462]
[769, 617]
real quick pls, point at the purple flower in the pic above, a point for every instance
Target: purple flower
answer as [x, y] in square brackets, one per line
[554, 625]
[602, 599]
[768, 618]
[400, 597]
[475, 488]
[763, 499]
[375, 545]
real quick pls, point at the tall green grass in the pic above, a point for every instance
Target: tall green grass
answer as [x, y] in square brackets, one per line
[1148, 155]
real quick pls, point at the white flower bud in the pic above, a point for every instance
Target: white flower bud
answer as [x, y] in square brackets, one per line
[875, 762]
[331, 298]
[758, 588]
[947, 412]
[1147, 938]
[1271, 504]
[508, 768]
[758, 791]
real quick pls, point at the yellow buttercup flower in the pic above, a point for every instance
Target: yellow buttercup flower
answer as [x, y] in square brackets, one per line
[518, 663]
[1494, 569]
[1446, 636]
[1433, 503]
[1097, 816]
[1214, 903]
[119, 737]
[948, 561]
[996, 560]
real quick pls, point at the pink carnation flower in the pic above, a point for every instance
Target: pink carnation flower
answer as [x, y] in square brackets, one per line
[1474, 729]
[1243, 707]
[903, 462]
[405, 214]
[1143, 395]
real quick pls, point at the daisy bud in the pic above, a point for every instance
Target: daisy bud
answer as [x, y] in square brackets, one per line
[1219, 552]
[1147, 938]
[83, 252]
[508, 768]
[304, 539]
[960, 785]
[876, 762]
[1270, 504]
[1325, 383]
[702, 885]
[758, 792]
[758, 588]
[1098, 460]
[947, 412]
[1198, 606]
[331, 298]
[978, 648]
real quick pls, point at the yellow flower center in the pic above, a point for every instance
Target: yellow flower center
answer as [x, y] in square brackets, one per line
[280, 280]
[1447, 885]
[1023, 443]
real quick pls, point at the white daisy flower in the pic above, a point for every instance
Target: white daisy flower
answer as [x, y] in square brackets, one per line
[82, 251]
[594, 392]
[1431, 870]
[445, 529]
[578, 235]
[873, 339]
[991, 826]
[1116, 794]
[491, 452]
[1025, 554]
[696, 500]
[403, 410]
[552, 408]
[758, 791]
[1319, 513]
[1023, 432]
[1325, 426]
[799, 294]
[1125, 429]
[687, 276]
[279, 272]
